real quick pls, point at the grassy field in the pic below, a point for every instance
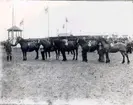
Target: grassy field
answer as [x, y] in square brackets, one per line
[54, 80]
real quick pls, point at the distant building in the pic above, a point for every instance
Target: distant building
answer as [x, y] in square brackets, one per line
[64, 34]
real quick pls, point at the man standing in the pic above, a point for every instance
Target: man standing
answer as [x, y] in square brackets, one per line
[8, 49]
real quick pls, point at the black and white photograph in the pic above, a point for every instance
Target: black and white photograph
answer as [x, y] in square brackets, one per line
[66, 52]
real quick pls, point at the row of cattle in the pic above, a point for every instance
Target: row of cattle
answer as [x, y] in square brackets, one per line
[101, 45]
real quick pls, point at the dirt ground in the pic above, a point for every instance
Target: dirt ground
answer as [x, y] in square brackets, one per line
[54, 82]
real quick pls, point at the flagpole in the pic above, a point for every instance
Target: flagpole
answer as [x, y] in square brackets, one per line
[12, 20]
[66, 28]
[23, 29]
[57, 32]
[48, 21]
[47, 11]
[12, 15]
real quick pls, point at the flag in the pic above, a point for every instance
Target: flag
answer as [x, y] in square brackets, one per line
[63, 26]
[46, 10]
[66, 20]
[22, 22]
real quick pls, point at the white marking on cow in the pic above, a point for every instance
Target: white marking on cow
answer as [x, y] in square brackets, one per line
[41, 48]
[29, 44]
[112, 44]
[89, 43]
[66, 42]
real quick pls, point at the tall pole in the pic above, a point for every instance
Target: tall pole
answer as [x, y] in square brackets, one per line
[12, 14]
[23, 30]
[57, 32]
[66, 28]
[12, 21]
[47, 11]
[48, 21]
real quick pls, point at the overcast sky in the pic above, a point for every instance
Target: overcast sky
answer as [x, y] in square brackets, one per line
[89, 17]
